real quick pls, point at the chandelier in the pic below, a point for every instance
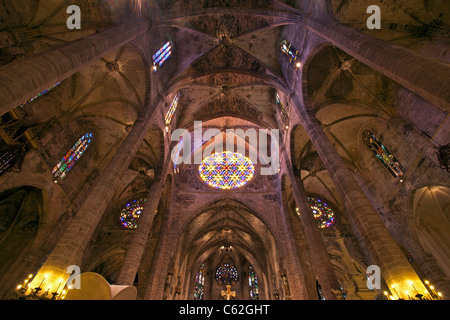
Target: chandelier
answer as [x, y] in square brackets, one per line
[430, 293]
[42, 292]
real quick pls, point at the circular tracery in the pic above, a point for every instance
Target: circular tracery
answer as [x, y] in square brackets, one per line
[130, 214]
[226, 274]
[323, 214]
[226, 170]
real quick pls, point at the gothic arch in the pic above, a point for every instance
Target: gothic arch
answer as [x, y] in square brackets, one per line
[245, 233]
[23, 211]
[429, 221]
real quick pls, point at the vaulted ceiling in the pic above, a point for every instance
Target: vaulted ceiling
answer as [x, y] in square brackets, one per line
[227, 65]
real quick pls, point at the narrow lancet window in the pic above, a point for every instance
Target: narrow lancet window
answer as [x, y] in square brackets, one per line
[69, 160]
[383, 154]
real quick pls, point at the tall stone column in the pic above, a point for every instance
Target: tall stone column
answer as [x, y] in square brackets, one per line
[164, 252]
[69, 249]
[137, 246]
[24, 79]
[366, 223]
[294, 276]
[324, 270]
[425, 76]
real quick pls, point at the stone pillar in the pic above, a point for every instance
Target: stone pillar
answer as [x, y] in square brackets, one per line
[70, 247]
[294, 276]
[366, 223]
[357, 288]
[163, 254]
[425, 76]
[24, 79]
[322, 264]
[137, 246]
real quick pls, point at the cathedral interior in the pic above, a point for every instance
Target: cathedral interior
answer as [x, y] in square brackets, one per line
[96, 203]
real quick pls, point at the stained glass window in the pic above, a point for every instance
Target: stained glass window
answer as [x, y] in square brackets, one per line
[200, 283]
[253, 284]
[69, 160]
[323, 214]
[172, 109]
[226, 170]
[284, 113]
[289, 50]
[226, 274]
[40, 94]
[162, 54]
[381, 152]
[130, 214]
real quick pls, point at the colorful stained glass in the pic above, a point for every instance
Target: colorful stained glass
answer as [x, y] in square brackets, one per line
[69, 160]
[253, 284]
[130, 214]
[172, 109]
[226, 274]
[200, 283]
[284, 113]
[381, 152]
[162, 54]
[289, 50]
[323, 214]
[226, 170]
[40, 94]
